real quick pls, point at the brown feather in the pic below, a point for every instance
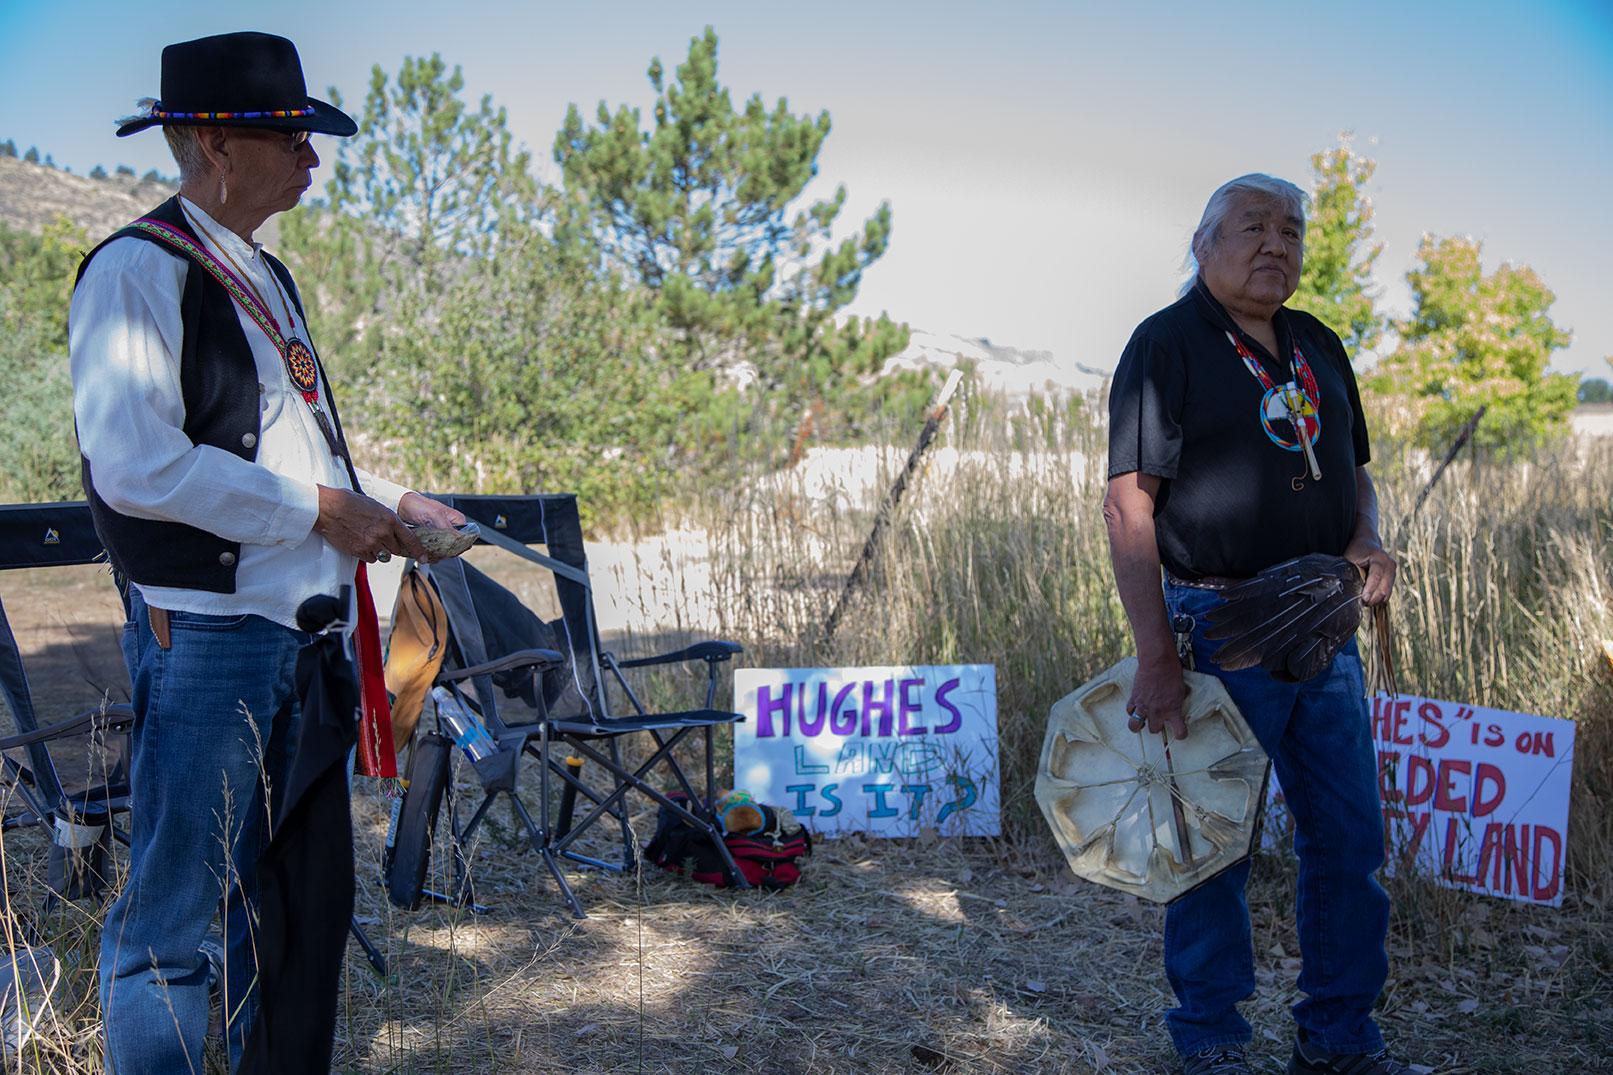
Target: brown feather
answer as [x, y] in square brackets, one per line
[1291, 619]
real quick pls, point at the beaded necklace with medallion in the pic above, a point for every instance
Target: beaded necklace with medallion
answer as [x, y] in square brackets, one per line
[297, 356]
[1299, 401]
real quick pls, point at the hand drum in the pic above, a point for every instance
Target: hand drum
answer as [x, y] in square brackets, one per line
[1141, 812]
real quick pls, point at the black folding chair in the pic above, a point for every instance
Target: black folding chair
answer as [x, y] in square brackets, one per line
[92, 746]
[579, 717]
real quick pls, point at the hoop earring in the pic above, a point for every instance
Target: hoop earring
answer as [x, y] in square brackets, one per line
[223, 191]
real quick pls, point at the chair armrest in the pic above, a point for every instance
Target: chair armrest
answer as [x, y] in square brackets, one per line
[700, 651]
[525, 658]
[114, 717]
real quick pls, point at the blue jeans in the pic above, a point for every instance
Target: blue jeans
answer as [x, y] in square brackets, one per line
[1318, 735]
[214, 717]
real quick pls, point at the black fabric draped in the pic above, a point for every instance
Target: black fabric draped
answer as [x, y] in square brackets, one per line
[306, 876]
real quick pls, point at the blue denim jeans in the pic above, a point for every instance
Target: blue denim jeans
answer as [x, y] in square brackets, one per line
[1318, 735]
[214, 717]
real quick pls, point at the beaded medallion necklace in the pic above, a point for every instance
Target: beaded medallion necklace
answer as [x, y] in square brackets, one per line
[298, 358]
[1299, 402]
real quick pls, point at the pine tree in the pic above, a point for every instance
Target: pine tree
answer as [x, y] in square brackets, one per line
[699, 208]
[427, 182]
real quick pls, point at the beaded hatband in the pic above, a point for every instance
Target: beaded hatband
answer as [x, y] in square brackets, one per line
[295, 113]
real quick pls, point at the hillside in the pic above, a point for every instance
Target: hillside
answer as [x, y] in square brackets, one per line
[34, 195]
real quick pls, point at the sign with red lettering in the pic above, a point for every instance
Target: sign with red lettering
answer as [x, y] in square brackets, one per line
[1476, 798]
[886, 751]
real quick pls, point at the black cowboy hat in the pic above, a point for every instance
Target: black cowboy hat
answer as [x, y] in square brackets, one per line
[243, 79]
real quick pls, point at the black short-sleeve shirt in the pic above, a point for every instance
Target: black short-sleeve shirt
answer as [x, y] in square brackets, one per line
[1234, 496]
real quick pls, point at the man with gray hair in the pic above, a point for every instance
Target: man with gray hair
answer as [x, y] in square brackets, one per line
[1237, 442]
[226, 494]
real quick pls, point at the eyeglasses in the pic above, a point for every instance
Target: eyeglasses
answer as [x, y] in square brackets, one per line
[293, 141]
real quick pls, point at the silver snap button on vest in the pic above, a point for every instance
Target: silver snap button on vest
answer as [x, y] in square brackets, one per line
[249, 440]
[227, 559]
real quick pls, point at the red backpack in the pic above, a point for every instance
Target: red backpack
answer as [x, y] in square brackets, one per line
[767, 858]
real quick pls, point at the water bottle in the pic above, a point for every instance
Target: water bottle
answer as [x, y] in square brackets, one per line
[468, 732]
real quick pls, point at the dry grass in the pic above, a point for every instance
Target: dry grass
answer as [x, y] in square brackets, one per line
[980, 955]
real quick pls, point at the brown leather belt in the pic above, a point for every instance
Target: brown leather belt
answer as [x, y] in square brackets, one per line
[1208, 582]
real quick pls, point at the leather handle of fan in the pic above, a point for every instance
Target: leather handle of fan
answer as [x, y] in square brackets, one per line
[1383, 643]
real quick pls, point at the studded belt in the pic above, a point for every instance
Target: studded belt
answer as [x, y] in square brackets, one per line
[1208, 582]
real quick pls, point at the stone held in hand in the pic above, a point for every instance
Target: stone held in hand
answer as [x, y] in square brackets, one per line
[443, 542]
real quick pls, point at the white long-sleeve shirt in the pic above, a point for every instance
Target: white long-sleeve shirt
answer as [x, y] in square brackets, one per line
[124, 336]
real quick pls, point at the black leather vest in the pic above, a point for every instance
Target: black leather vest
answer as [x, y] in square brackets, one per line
[218, 380]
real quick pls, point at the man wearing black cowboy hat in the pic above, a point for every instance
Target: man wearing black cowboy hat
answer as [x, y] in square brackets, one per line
[225, 494]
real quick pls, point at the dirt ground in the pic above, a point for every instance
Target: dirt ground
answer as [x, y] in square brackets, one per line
[890, 956]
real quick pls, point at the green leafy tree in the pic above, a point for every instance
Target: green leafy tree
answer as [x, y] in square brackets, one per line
[537, 374]
[1477, 339]
[704, 207]
[1595, 390]
[36, 410]
[475, 351]
[1336, 282]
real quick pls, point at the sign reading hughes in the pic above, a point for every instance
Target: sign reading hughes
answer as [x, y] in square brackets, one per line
[888, 751]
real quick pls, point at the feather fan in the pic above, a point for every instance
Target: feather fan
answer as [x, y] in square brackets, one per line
[1291, 619]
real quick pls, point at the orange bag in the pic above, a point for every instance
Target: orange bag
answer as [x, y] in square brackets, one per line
[415, 652]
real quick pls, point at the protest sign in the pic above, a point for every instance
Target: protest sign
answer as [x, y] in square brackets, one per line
[886, 751]
[1475, 798]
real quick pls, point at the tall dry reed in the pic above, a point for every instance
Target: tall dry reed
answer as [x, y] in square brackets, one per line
[999, 555]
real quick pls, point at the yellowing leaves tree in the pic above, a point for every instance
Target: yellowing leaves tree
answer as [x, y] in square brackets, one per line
[1336, 282]
[1477, 339]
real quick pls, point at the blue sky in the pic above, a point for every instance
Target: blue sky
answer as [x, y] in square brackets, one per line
[1046, 162]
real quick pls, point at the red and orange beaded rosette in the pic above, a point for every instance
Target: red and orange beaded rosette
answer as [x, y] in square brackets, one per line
[300, 365]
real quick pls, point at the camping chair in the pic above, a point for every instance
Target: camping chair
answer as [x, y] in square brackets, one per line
[573, 710]
[92, 746]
